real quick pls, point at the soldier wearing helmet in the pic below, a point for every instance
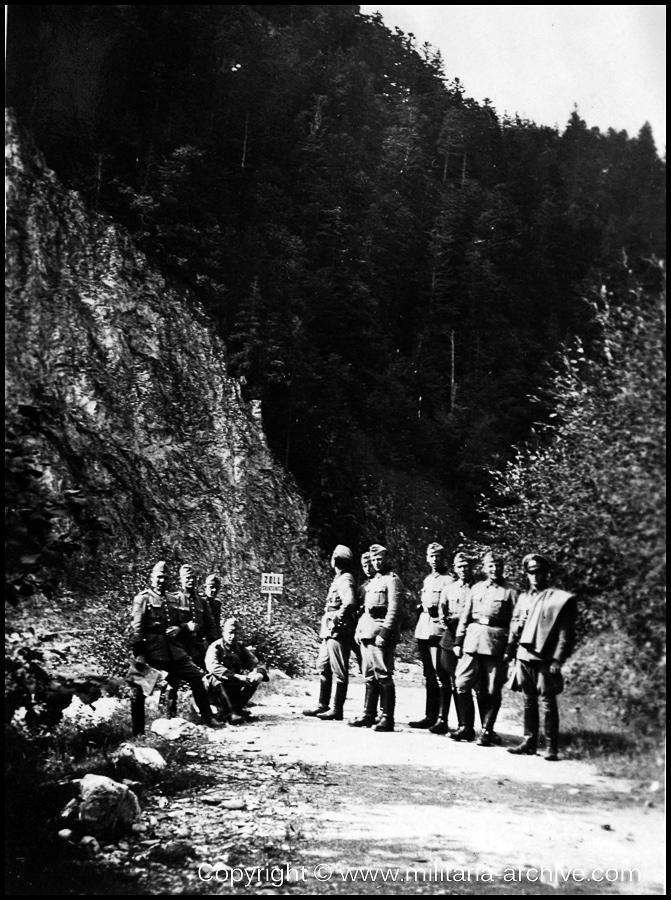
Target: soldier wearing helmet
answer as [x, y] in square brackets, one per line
[541, 638]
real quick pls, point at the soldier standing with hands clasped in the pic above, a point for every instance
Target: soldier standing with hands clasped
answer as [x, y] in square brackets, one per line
[378, 633]
[542, 634]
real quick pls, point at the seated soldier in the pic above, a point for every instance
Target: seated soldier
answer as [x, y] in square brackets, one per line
[233, 676]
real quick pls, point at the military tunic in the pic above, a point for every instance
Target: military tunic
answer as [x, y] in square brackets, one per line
[337, 629]
[197, 627]
[224, 663]
[453, 600]
[428, 632]
[153, 614]
[381, 617]
[482, 633]
[541, 632]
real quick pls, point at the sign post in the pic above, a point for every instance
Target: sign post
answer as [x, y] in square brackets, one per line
[271, 583]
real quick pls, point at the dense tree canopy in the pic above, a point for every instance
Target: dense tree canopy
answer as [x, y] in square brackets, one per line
[589, 491]
[390, 263]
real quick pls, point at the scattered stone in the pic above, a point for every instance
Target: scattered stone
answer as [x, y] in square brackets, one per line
[233, 804]
[608, 828]
[173, 729]
[107, 808]
[89, 846]
[177, 851]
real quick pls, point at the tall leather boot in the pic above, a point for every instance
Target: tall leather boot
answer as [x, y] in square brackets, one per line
[325, 683]
[489, 737]
[431, 708]
[529, 745]
[483, 707]
[171, 702]
[552, 733]
[445, 695]
[202, 701]
[369, 706]
[335, 714]
[137, 711]
[466, 731]
[388, 694]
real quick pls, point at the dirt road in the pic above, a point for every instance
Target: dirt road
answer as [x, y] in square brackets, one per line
[420, 813]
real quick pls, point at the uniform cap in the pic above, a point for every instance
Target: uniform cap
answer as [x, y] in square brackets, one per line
[214, 580]
[460, 559]
[377, 550]
[435, 548]
[185, 570]
[365, 557]
[159, 568]
[230, 621]
[534, 561]
[342, 552]
[493, 556]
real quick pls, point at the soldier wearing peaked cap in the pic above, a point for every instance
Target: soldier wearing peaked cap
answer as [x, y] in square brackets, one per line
[378, 633]
[154, 640]
[336, 633]
[480, 644]
[428, 633]
[541, 636]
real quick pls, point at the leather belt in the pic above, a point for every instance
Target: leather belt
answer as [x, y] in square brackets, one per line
[492, 621]
[377, 612]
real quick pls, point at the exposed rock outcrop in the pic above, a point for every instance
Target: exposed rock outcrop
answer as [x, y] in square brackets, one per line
[125, 390]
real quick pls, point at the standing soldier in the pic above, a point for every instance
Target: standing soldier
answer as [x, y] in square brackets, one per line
[196, 626]
[428, 633]
[212, 588]
[378, 633]
[197, 623]
[480, 644]
[542, 633]
[453, 600]
[154, 641]
[368, 571]
[336, 633]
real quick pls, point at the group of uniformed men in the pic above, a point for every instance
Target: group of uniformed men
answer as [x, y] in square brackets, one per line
[469, 633]
[182, 634]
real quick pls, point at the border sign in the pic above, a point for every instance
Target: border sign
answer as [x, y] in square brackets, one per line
[271, 583]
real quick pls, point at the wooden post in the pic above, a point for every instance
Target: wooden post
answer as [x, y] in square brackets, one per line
[269, 617]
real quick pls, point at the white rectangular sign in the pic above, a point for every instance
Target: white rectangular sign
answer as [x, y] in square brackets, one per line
[272, 583]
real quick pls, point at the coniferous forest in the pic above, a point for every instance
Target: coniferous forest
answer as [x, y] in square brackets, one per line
[405, 278]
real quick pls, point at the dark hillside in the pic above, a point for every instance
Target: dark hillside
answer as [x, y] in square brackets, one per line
[390, 263]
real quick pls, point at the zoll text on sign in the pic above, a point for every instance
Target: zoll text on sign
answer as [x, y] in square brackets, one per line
[272, 583]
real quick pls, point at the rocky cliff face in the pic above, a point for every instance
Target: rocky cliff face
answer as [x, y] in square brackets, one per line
[119, 389]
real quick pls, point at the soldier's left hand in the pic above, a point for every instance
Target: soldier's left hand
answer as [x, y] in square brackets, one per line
[555, 668]
[379, 641]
